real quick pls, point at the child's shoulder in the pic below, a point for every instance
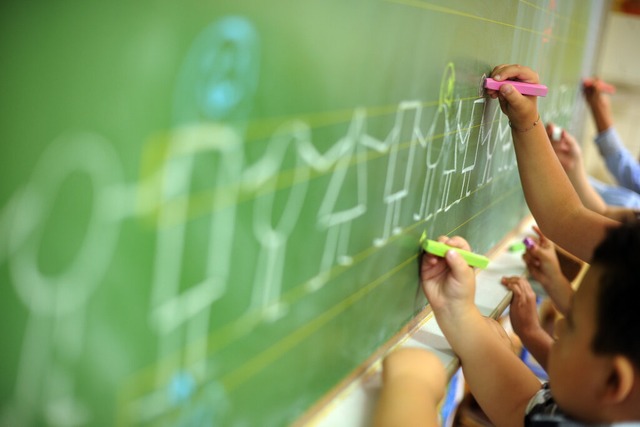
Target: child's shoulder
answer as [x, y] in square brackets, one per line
[542, 410]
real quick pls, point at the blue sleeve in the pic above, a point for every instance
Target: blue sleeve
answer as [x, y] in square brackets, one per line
[622, 165]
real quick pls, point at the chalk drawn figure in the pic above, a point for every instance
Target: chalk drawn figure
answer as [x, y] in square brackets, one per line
[492, 136]
[345, 199]
[205, 155]
[437, 142]
[55, 337]
[468, 149]
[405, 132]
[272, 232]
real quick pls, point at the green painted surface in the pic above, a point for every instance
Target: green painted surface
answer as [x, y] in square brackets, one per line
[210, 211]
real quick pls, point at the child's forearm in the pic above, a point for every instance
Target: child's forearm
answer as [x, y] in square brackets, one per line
[560, 292]
[588, 195]
[592, 200]
[538, 343]
[601, 113]
[551, 197]
[499, 381]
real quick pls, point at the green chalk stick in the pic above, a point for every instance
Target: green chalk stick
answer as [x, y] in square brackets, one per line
[440, 249]
[518, 247]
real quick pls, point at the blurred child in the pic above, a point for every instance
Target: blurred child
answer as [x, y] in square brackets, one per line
[621, 164]
[414, 382]
[621, 202]
[593, 367]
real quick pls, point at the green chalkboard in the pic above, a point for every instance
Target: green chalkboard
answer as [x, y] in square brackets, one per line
[210, 211]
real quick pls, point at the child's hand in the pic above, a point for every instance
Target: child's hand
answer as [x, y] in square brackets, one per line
[566, 148]
[599, 104]
[522, 110]
[594, 96]
[523, 310]
[449, 282]
[542, 261]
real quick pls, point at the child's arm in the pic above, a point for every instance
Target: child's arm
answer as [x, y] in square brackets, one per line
[622, 165]
[413, 383]
[570, 156]
[542, 262]
[599, 105]
[523, 313]
[549, 193]
[499, 381]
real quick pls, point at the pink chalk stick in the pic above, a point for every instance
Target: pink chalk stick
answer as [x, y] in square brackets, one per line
[523, 88]
[602, 86]
[529, 242]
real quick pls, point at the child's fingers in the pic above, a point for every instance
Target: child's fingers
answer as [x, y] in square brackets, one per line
[530, 259]
[504, 105]
[515, 71]
[512, 283]
[541, 237]
[514, 98]
[431, 267]
[457, 264]
[458, 242]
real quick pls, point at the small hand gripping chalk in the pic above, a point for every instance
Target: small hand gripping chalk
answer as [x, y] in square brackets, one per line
[522, 87]
[440, 249]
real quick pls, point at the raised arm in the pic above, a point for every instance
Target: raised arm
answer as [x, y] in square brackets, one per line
[550, 195]
[570, 156]
[620, 162]
[599, 106]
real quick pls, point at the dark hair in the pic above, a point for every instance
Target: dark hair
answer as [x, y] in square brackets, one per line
[618, 299]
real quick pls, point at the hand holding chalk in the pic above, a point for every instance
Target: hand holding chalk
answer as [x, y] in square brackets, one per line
[521, 110]
[447, 280]
[522, 87]
[544, 266]
[566, 147]
[556, 133]
[440, 249]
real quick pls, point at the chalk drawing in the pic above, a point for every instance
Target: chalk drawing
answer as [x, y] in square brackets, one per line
[490, 139]
[219, 76]
[437, 140]
[463, 142]
[348, 185]
[396, 187]
[272, 232]
[54, 336]
[213, 98]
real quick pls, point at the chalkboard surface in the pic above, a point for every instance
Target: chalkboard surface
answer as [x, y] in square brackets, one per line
[210, 211]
